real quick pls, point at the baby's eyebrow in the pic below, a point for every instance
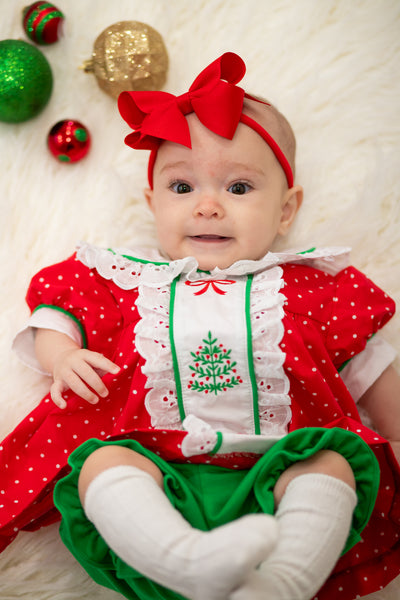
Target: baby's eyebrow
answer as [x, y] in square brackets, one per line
[229, 166]
[173, 165]
[246, 167]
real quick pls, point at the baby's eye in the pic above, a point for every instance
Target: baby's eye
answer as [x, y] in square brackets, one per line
[180, 187]
[240, 187]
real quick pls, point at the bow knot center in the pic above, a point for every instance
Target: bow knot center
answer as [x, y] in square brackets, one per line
[185, 103]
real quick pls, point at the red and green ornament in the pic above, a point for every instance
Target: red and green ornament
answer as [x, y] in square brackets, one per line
[68, 141]
[26, 81]
[42, 22]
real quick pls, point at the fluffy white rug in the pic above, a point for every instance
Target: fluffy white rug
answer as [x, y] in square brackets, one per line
[332, 67]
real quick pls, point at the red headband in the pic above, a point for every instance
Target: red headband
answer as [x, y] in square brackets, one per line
[213, 96]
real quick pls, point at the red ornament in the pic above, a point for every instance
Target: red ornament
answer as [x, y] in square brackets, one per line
[42, 22]
[68, 140]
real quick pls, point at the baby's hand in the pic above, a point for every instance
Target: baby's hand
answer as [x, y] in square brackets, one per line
[77, 370]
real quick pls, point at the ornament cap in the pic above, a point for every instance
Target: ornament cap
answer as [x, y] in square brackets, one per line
[87, 66]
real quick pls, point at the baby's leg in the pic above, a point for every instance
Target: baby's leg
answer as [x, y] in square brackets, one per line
[121, 492]
[315, 500]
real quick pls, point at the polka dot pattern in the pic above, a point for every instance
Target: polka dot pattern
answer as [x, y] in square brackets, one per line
[327, 319]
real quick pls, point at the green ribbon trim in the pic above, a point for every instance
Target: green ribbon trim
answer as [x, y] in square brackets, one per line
[250, 358]
[71, 316]
[177, 376]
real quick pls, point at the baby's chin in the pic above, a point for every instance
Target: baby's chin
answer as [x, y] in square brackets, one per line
[208, 263]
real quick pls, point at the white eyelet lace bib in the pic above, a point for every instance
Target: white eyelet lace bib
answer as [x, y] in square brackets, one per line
[210, 342]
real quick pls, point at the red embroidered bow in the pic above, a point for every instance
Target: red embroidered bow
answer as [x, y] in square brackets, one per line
[213, 283]
[213, 96]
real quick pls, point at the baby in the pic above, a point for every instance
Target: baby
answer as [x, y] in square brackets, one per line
[227, 457]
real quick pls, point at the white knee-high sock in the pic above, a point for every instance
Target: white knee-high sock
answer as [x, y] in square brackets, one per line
[314, 519]
[136, 519]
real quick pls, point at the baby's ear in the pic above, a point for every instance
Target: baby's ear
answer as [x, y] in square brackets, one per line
[148, 194]
[291, 203]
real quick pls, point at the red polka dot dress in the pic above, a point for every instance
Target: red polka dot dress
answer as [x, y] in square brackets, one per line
[308, 318]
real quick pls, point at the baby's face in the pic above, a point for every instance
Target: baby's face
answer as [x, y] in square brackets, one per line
[221, 201]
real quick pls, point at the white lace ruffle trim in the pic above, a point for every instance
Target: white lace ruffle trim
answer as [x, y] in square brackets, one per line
[129, 268]
[153, 343]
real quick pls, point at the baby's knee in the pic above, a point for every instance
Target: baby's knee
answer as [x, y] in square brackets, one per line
[327, 462]
[107, 457]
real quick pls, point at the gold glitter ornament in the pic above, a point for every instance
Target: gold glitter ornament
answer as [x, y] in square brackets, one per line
[128, 55]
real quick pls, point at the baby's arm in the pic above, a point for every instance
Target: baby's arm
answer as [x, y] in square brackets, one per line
[382, 403]
[71, 367]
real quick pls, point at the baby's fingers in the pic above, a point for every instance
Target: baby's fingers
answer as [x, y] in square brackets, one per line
[90, 379]
[56, 391]
[74, 382]
[99, 361]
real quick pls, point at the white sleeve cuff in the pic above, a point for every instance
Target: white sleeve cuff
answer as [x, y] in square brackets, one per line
[365, 368]
[43, 318]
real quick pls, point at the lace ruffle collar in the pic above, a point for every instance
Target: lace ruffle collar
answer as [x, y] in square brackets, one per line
[130, 268]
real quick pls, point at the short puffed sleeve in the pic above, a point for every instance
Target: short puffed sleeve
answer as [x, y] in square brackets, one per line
[78, 294]
[358, 310]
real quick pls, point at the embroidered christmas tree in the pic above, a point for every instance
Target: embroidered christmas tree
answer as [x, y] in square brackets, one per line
[213, 369]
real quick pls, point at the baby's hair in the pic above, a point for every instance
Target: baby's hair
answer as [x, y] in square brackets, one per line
[276, 124]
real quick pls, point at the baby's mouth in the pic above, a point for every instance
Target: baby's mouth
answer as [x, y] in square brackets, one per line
[208, 237]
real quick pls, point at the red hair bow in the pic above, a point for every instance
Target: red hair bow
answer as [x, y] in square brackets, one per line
[213, 96]
[215, 99]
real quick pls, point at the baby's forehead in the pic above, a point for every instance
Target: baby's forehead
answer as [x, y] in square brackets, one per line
[266, 115]
[275, 123]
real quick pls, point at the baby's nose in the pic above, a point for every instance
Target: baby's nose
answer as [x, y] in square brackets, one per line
[209, 206]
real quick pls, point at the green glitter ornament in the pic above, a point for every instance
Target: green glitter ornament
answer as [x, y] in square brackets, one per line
[26, 81]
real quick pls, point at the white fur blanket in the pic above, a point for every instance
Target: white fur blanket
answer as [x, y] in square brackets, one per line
[331, 66]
